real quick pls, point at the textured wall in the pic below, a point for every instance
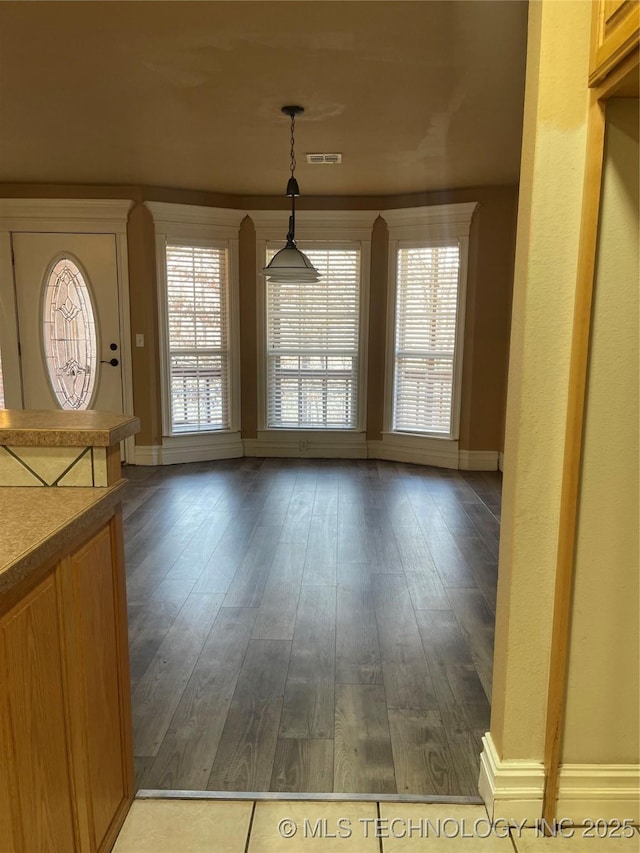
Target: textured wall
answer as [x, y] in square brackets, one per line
[603, 697]
[551, 179]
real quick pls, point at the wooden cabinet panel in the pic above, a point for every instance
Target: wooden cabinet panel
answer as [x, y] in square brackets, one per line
[34, 725]
[611, 9]
[8, 827]
[96, 617]
[615, 33]
[66, 759]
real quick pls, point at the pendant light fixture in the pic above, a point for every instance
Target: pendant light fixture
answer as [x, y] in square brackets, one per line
[290, 264]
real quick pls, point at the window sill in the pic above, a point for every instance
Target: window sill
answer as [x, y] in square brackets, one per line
[310, 432]
[416, 436]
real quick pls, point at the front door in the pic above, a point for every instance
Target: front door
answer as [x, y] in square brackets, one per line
[68, 320]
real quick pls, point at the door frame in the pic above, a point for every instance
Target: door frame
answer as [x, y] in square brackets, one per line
[76, 216]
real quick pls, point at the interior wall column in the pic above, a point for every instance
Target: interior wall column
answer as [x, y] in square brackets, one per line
[143, 300]
[549, 216]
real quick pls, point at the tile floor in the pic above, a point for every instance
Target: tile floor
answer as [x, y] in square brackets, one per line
[288, 826]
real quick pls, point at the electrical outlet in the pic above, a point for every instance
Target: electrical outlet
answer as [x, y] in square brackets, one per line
[139, 340]
[303, 445]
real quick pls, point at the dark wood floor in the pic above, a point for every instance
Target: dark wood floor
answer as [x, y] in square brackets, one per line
[311, 625]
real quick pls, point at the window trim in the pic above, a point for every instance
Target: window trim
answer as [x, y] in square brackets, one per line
[419, 227]
[191, 225]
[337, 229]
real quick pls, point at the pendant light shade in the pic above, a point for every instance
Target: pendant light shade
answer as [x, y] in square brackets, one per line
[290, 264]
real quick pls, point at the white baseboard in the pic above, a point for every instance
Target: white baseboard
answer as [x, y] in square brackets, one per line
[191, 448]
[307, 445]
[478, 460]
[599, 791]
[500, 461]
[441, 453]
[312, 445]
[511, 790]
[150, 454]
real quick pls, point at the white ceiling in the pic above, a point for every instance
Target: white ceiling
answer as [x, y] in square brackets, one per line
[416, 95]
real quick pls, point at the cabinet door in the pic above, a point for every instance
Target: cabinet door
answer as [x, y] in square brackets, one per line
[616, 26]
[99, 682]
[36, 797]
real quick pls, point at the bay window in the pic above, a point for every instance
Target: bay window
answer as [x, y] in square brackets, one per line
[312, 344]
[312, 337]
[427, 292]
[197, 265]
[197, 337]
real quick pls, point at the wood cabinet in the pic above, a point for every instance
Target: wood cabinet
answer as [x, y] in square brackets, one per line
[615, 33]
[39, 814]
[66, 761]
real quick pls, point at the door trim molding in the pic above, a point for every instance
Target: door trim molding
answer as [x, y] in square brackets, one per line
[122, 263]
[79, 216]
[10, 350]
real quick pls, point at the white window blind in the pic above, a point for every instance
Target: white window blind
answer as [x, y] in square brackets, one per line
[425, 338]
[197, 319]
[312, 345]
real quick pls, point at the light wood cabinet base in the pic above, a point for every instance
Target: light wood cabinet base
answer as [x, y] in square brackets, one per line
[66, 758]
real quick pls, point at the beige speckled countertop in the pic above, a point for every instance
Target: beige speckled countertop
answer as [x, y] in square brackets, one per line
[35, 524]
[57, 428]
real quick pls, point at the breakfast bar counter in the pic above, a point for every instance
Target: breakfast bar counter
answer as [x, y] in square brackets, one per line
[66, 756]
[36, 524]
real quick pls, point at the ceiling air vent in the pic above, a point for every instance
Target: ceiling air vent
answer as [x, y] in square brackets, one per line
[324, 159]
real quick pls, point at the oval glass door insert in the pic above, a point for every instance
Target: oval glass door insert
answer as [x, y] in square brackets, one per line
[69, 335]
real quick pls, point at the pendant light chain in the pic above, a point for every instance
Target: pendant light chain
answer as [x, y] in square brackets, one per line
[293, 142]
[290, 264]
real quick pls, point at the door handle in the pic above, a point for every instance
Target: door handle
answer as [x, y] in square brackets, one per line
[112, 361]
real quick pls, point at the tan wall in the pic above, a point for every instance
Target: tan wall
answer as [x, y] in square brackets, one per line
[143, 300]
[488, 299]
[248, 330]
[377, 328]
[488, 318]
[603, 694]
[550, 211]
